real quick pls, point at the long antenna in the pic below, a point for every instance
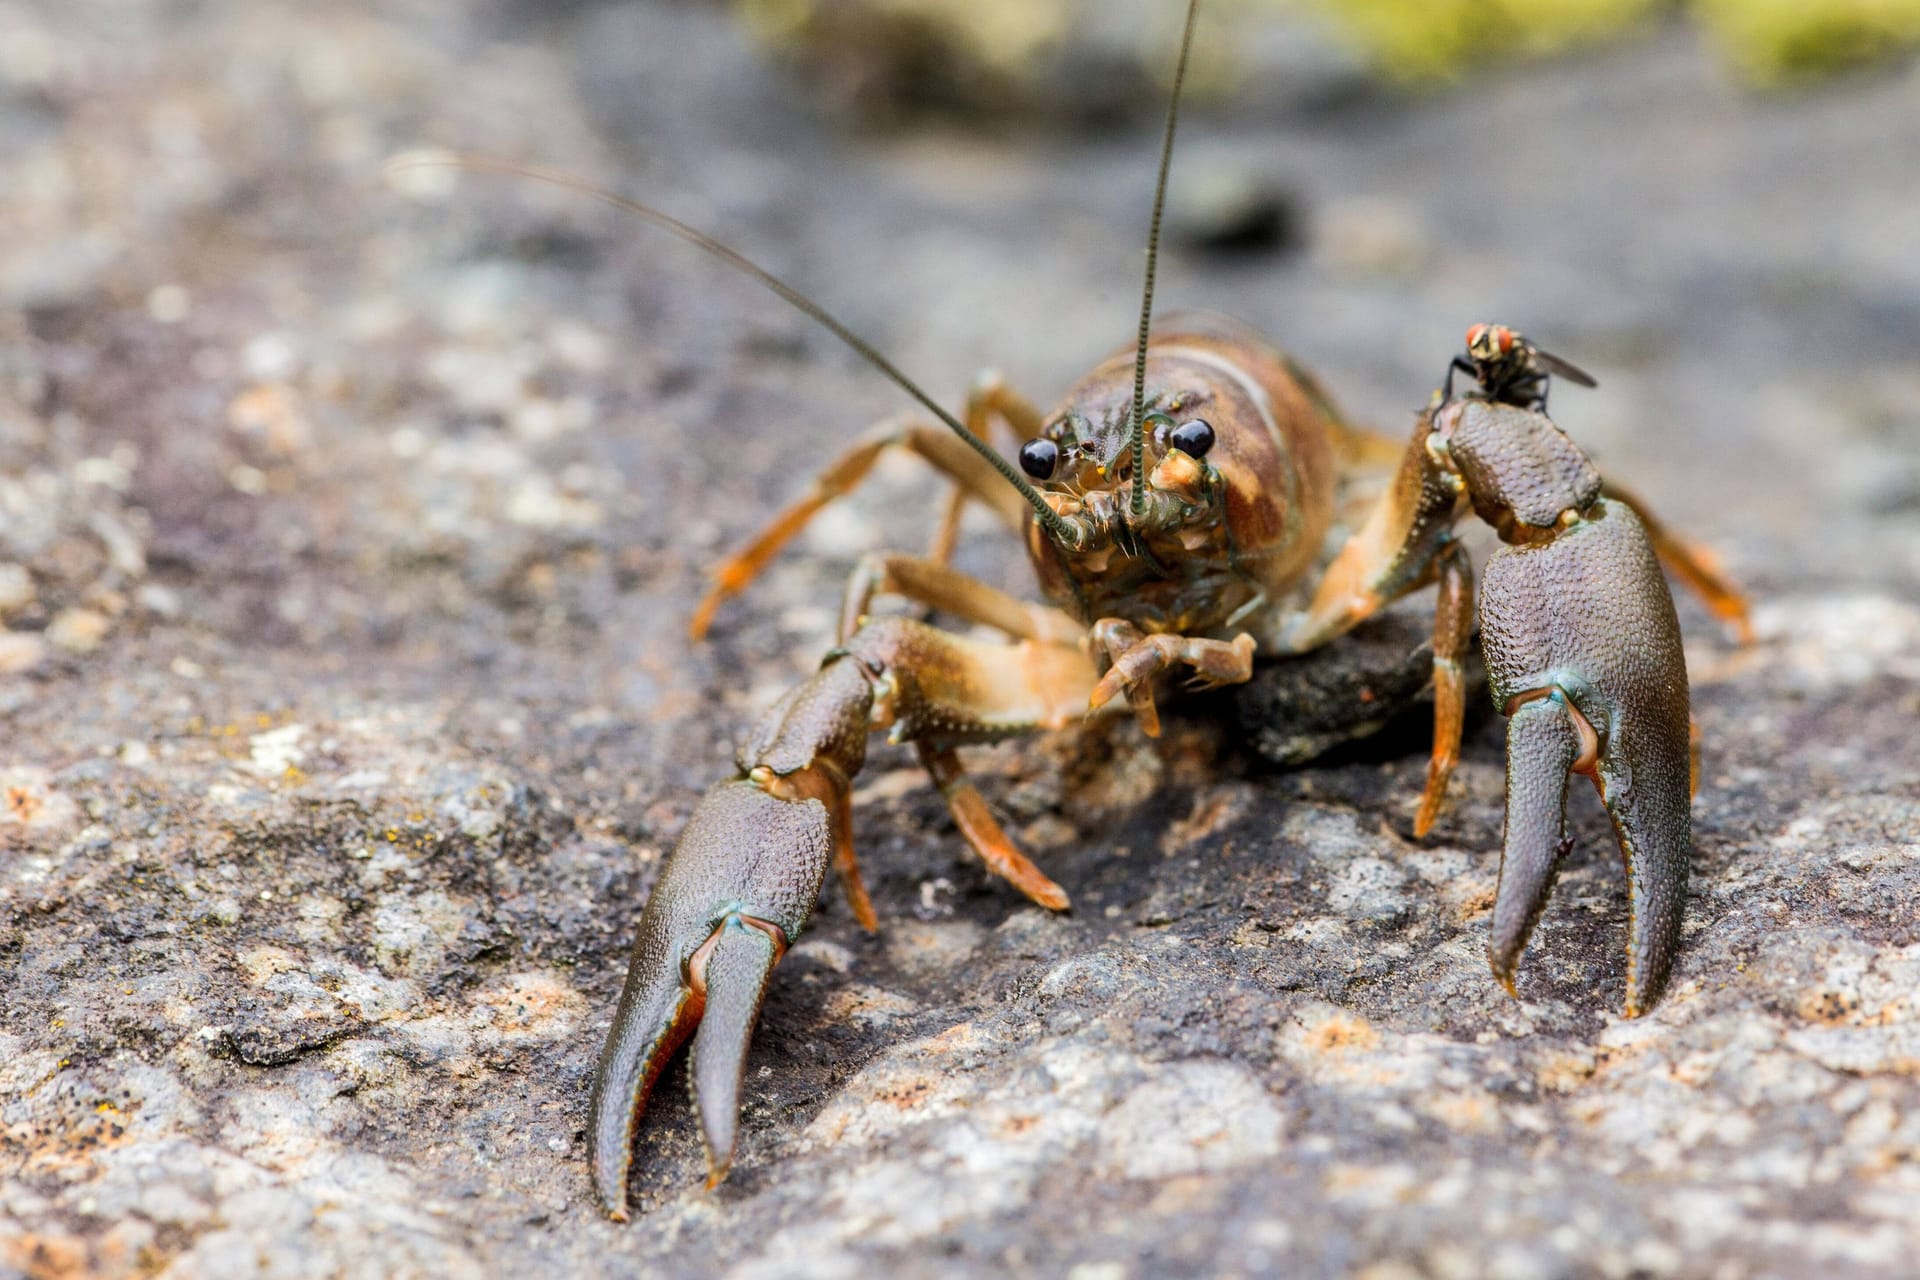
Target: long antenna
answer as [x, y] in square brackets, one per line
[1153, 260]
[1045, 514]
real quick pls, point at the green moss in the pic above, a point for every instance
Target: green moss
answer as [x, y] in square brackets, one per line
[1776, 42]
[1425, 40]
[1769, 42]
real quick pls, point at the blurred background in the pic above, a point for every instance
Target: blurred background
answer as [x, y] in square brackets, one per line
[1709, 204]
[350, 518]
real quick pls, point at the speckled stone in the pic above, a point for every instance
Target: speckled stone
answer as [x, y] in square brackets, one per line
[320, 860]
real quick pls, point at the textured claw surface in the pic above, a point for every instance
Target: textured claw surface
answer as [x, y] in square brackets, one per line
[735, 976]
[746, 858]
[1541, 746]
[656, 1013]
[1648, 796]
[1518, 465]
[745, 875]
[1589, 614]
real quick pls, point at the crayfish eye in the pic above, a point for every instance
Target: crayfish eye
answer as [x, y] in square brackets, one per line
[1038, 458]
[1192, 437]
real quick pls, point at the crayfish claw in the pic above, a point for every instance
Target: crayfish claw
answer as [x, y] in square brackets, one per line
[657, 1012]
[1541, 749]
[1583, 652]
[1645, 784]
[737, 966]
[738, 887]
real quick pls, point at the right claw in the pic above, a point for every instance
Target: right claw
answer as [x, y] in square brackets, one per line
[1583, 652]
[737, 889]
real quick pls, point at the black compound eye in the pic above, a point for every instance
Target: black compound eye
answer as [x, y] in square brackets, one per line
[1192, 437]
[1039, 456]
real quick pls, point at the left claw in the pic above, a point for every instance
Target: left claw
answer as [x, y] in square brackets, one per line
[739, 886]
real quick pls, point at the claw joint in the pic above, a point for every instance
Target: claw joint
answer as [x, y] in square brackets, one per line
[694, 970]
[1589, 758]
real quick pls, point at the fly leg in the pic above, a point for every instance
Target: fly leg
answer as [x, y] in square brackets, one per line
[1460, 364]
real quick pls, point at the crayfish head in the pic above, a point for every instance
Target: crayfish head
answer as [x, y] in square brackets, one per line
[1090, 486]
[1078, 454]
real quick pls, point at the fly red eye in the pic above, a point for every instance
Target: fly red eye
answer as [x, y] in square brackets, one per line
[1504, 336]
[1474, 334]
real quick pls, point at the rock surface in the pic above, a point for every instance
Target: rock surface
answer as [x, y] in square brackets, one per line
[351, 524]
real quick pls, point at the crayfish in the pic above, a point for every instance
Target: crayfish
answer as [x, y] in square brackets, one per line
[1177, 508]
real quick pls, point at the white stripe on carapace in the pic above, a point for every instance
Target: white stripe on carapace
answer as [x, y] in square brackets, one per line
[1255, 392]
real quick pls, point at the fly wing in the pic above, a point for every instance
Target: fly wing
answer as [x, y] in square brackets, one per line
[1559, 368]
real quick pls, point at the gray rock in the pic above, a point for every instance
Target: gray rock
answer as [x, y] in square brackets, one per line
[319, 867]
